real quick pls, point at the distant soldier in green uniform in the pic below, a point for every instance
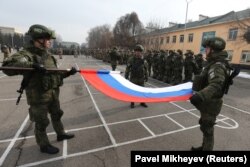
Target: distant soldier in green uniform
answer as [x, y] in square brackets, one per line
[190, 66]
[136, 70]
[114, 58]
[199, 61]
[210, 88]
[41, 86]
[6, 52]
[177, 68]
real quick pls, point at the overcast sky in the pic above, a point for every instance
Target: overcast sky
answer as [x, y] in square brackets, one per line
[73, 19]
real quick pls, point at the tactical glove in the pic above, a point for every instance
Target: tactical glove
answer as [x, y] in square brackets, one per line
[39, 68]
[146, 79]
[195, 99]
[72, 71]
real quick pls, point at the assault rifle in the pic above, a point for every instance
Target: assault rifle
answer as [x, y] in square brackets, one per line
[229, 82]
[26, 80]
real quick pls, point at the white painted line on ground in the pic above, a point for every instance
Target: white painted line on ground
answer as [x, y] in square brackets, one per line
[6, 152]
[145, 126]
[104, 148]
[175, 121]
[99, 112]
[11, 99]
[3, 76]
[97, 126]
[65, 148]
[236, 108]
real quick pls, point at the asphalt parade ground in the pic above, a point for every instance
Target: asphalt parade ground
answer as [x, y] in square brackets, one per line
[106, 130]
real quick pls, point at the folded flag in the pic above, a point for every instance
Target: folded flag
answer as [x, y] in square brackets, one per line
[116, 86]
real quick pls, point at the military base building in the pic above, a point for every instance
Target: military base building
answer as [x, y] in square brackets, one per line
[231, 27]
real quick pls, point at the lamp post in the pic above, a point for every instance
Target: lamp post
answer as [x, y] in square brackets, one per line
[185, 28]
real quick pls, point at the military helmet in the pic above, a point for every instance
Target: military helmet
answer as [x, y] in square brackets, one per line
[4, 47]
[139, 48]
[215, 43]
[39, 31]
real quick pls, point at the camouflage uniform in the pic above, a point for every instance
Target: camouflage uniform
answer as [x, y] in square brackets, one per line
[210, 86]
[199, 61]
[137, 71]
[177, 68]
[114, 58]
[190, 66]
[5, 51]
[42, 91]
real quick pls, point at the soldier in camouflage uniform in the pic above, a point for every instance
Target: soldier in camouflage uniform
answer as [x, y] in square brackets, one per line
[190, 66]
[6, 52]
[168, 75]
[199, 61]
[149, 59]
[42, 87]
[155, 63]
[114, 58]
[210, 87]
[177, 68]
[137, 71]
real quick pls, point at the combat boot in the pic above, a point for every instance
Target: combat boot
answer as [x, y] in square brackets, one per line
[197, 148]
[132, 105]
[49, 149]
[65, 136]
[144, 105]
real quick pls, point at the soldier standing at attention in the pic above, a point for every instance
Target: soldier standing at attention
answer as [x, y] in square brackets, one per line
[114, 58]
[42, 87]
[6, 52]
[137, 70]
[210, 88]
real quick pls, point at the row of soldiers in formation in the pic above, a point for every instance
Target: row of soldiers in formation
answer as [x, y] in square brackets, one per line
[167, 66]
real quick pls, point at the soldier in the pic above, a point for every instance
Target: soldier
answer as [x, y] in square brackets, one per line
[190, 66]
[137, 70]
[177, 68]
[114, 58]
[199, 61]
[42, 87]
[149, 59]
[168, 75]
[5, 51]
[210, 88]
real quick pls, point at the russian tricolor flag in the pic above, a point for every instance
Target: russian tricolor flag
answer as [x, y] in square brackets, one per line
[116, 86]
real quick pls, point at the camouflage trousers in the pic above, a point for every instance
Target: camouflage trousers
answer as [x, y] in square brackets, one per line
[39, 114]
[209, 110]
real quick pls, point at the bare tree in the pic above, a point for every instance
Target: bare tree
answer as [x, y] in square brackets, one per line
[100, 37]
[126, 28]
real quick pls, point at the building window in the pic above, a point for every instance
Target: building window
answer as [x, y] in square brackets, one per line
[181, 38]
[233, 34]
[167, 40]
[190, 37]
[162, 39]
[174, 39]
[230, 54]
[245, 56]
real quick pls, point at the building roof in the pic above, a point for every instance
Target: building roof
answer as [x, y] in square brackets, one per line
[230, 16]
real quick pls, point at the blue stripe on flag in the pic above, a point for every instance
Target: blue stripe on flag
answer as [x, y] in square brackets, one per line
[118, 86]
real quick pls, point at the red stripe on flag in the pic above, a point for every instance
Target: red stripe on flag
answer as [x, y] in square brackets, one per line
[92, 77]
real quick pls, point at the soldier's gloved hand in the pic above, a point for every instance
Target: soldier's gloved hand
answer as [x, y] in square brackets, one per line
[39, 68]
[146, 79]
[195, 99]
[72, 71]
